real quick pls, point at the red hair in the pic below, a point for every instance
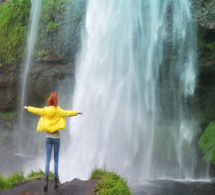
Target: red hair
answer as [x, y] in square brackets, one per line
[52, 100]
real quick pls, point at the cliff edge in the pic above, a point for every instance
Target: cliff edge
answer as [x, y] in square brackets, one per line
[35, 187]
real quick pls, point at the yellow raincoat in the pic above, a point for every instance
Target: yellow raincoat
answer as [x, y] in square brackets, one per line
[52, 118]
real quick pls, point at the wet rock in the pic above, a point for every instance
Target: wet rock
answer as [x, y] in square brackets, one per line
[75, 187]
[47, 76]
[204, 13]
[8, 92]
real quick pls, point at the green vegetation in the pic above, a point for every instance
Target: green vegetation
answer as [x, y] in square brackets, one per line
[13, 27]
[7, 115]
[210, 45]
[110, 183]
[167, 137]
[42, 53]
[18, 177]
[39, 174]
[11, 180]
[207, 143]
[51, 27]
[50, 8]
[49, 22]
[14, 16]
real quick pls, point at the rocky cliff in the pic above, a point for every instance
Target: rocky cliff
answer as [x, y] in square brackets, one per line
[53, 61]
[56, 49]
[76, 187]
[204, 18]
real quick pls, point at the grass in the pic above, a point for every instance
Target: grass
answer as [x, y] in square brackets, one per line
[11, 180]
[39, 174]
[18, 177]
[110, 183]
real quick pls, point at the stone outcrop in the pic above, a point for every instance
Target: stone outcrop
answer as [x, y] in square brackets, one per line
[47, 76]
[8, 85]
[76, 187]
[204, 13]
[204, 18]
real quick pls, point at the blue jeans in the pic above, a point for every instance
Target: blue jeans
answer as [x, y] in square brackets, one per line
[49, 143]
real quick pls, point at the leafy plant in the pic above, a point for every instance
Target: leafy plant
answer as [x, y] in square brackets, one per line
[207, 143]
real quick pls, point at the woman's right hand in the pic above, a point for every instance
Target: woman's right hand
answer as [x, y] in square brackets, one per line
[79, 112]
[25, 107]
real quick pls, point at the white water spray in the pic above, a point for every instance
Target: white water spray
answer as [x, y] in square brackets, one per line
[118, 88]
[34, 18]
[32, 35]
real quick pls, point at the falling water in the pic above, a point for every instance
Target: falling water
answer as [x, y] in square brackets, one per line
[34, 18]
[134, 71]
[32, 35]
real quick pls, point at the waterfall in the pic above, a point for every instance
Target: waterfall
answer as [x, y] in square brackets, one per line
[23, 140]
[135, 69]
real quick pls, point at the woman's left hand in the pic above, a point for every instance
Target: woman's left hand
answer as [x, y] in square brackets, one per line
[79, 112]
[25, 107]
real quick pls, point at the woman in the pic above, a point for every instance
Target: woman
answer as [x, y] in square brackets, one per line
[52, 120]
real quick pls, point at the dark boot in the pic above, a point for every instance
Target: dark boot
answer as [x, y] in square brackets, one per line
[46, 184]
[55, 183]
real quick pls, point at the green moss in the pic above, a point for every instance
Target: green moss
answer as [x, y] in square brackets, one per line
[14, 16]
[7, 115]
[42, 53]
[110, 183]
[207, 143]
[50, 8]
[210, 45]
[13, 26]
[51, 27]
[48, 25]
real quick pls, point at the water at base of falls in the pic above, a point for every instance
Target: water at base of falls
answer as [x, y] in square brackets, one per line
[170, 187]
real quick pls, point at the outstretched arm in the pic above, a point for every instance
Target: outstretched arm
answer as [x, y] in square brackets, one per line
[67, 113]
[38, 111]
